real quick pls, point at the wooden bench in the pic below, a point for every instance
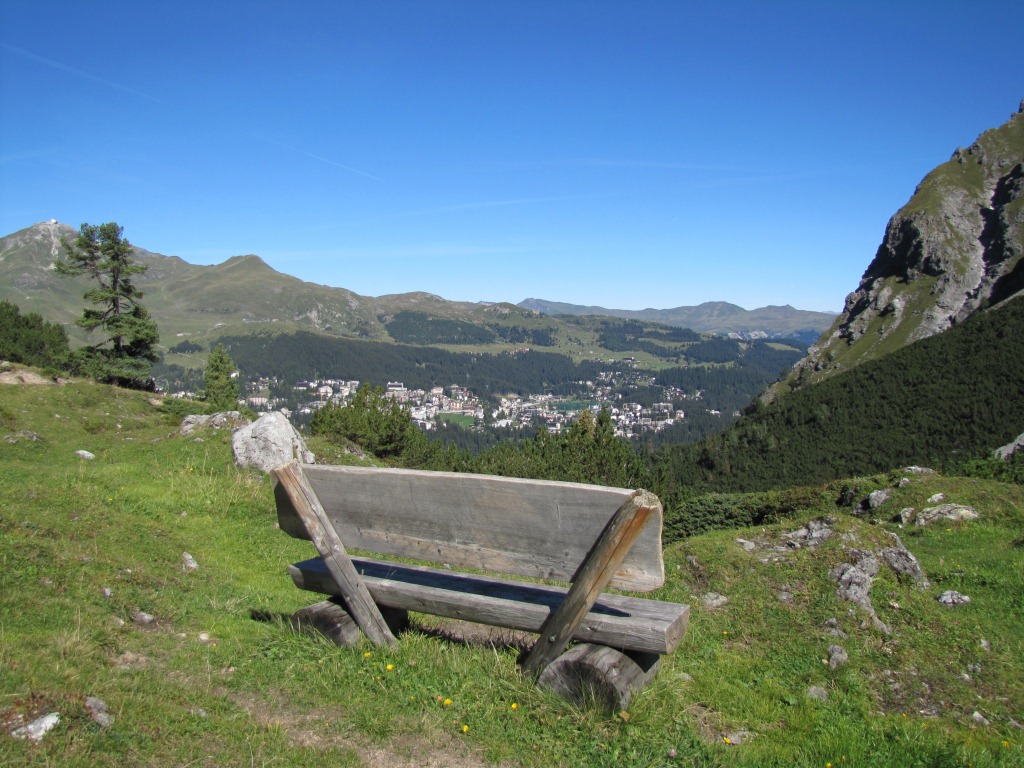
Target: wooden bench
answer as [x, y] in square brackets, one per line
[591, 537]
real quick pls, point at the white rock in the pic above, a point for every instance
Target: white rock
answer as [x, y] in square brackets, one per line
[268, 443]
[189, 561]
[85, 455]
[37, 728]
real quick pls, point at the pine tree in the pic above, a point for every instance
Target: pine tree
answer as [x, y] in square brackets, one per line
[126, 355]
[220, 380]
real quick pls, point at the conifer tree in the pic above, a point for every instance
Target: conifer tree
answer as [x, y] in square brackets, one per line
[220, 380]
[126, 354]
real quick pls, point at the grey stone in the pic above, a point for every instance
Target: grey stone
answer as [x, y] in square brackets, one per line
[268, 443]
[904, 482]
[952, 512]
[906, 515]
[748, 546]
[85, 455]
[25, 434]
[979, 719]
[919, 470]
[953, 598]
[878, 498]
[1006, 451]
[855, 586]
[98, 712]
[817, 693]
[900, 560]
[837, 656]
[936, 498]
[226, 419]
[188, 562]
[142, 619]
[714, 600]
[107, 592]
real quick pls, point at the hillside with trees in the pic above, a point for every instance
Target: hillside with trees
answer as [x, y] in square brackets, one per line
[939, 402]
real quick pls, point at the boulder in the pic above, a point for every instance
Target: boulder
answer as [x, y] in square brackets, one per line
[229, 419]
[952, 512]
[269, 442]
[1006, 451]
[953, 598]
[878, 498]
[903, 562]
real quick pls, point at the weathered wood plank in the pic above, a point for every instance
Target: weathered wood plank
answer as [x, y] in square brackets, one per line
[620, 621]
[608, 551]
[534, 528]
[291, 483]
[589, 674]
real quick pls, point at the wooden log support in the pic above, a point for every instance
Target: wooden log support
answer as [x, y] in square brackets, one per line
[293, 485]
[593, 576]
[599, 676]
[330, 619]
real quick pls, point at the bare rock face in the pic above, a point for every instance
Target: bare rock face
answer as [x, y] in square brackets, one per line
[269, 442]
[957, 247]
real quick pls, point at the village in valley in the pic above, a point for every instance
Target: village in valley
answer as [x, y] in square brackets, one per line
[459, 405]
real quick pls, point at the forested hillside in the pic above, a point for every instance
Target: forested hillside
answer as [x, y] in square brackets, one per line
[937, 402]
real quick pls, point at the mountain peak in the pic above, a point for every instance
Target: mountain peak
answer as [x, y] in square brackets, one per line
[955, 248]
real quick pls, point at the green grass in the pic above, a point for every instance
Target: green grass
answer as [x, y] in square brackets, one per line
[458, 419]
[258, 693]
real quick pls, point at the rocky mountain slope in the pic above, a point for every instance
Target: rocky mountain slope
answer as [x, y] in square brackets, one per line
[954, 249]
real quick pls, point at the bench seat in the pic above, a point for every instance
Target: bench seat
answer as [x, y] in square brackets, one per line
[619, 621]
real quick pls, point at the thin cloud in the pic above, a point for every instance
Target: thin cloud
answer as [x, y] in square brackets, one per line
[79, 73]
[28, 154]
[478, 205]
[322, 159]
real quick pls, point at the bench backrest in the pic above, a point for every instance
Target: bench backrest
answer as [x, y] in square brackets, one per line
[535, 528]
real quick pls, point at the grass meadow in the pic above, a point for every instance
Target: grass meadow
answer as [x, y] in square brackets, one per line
[219, 678]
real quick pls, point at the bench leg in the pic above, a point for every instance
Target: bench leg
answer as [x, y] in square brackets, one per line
[596, 675]
[330, 619]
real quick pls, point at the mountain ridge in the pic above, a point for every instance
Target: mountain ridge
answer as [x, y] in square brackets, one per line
[709, 317]
[243, 294]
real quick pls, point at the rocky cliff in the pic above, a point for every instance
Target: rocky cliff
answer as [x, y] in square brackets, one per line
[954, 249]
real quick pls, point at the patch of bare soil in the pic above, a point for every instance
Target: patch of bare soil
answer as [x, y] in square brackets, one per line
[323, 728]
[23, 376]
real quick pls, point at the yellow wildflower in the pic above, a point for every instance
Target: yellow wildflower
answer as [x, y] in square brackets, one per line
[515, 707]
[727, 740]
[390, 667]
[367, 655]
[465, 729]
[446, 703]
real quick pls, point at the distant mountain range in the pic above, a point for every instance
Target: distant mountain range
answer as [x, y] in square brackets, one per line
[718, 317]
[244, 295]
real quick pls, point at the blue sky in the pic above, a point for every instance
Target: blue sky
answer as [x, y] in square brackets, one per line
[626, 154]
